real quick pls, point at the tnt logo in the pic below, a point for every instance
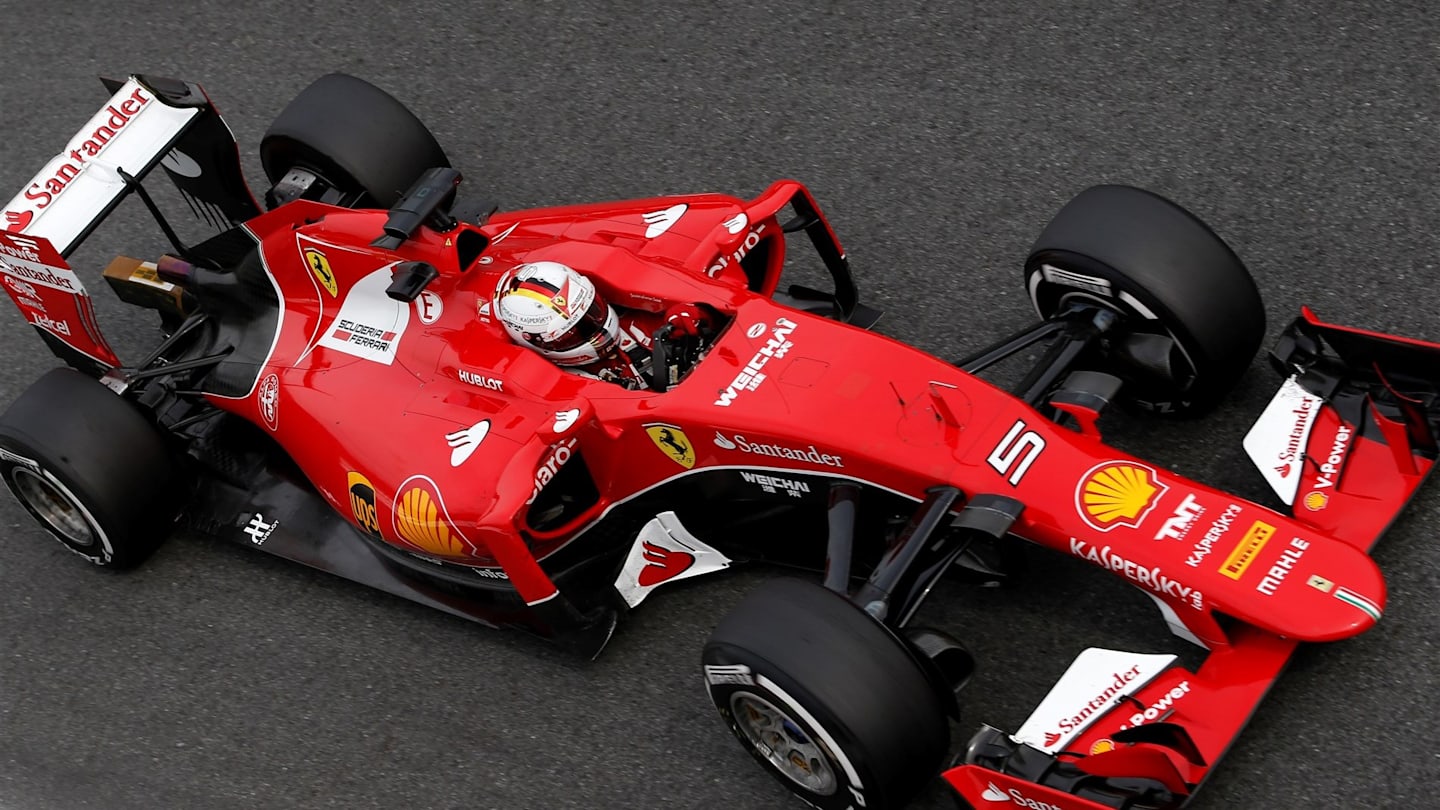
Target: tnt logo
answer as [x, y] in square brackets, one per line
[1179, 524]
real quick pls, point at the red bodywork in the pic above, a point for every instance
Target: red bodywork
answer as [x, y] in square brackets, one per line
[855, 404]
[887, 413]
[341, 415]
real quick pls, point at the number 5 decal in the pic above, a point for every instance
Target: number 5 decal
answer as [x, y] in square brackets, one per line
[1016, 452]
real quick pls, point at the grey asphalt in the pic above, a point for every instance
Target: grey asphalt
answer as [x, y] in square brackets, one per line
[940, 137]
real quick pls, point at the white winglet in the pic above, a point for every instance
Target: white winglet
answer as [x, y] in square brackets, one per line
[1090, 687]
[660, 221]
[664, 552]
[1277, 441]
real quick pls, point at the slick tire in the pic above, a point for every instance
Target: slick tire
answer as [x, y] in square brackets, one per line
[357, 137]
[89, 468]
[1191, 315]
[825, 698]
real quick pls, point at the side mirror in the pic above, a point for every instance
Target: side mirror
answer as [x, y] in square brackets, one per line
[409, 279]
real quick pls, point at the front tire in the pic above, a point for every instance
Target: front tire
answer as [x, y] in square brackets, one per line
[1191, 315]
[825, 698]
[89, 468]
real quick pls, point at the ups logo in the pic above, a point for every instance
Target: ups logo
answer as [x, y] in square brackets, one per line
[362, 504]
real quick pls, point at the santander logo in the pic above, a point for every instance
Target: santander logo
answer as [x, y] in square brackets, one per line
[18, 220]
[43, 192]
[995, 794]
[663, 564]
[1299, 427]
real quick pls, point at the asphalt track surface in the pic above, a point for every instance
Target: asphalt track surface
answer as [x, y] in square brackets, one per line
[940, 137]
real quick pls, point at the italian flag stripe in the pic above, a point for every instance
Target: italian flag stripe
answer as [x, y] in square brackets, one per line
[1356, 600]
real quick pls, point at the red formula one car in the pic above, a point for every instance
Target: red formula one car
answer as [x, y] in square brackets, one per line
[336, 385]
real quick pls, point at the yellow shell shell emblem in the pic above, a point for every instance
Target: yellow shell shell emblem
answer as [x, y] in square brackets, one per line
[1316, 501]
[1102, 745]
[673, 442]
[320, 269]
[1117, 493]
[421, 521]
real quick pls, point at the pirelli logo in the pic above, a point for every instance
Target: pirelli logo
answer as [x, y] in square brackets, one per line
[1247, 549]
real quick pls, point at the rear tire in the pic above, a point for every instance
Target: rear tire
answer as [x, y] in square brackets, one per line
[89, 468]
[826, 698]
[1169, 276]
[355, 136]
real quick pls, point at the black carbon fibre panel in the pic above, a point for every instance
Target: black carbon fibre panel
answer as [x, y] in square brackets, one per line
[245, 314]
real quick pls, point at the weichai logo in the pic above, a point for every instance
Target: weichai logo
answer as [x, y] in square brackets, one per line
[1117, 493]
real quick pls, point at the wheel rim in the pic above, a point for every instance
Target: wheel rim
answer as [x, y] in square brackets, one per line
[60, 513]
[784, 744]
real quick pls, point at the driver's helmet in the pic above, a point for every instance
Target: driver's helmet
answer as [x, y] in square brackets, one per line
[554, 310]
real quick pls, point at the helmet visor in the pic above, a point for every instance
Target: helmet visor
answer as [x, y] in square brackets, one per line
[590, 328]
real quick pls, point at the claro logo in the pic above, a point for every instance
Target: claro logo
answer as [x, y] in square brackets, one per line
[551, 465]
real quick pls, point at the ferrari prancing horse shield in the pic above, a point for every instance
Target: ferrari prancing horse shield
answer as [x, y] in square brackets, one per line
[673, 442]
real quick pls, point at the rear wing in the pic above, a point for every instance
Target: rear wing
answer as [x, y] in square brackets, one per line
[147, 122]
[1345, 443]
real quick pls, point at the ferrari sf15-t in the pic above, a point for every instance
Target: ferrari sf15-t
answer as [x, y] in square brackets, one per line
[331, 385]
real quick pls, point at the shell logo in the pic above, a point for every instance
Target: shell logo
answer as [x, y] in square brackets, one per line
[1102, 745]
[1117, 493]
[1316, 501]
[422, 521]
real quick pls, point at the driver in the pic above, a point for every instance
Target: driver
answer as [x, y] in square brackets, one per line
[554, 310]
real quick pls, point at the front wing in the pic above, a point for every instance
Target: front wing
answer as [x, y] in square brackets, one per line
[1346, 442]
